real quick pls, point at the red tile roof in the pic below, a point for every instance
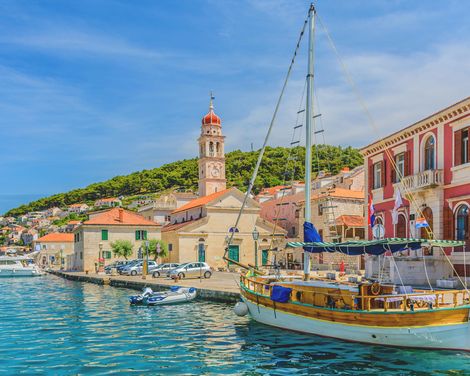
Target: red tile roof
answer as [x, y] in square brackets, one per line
[350, 220]
[76, 205]
[272, 190]
[73, 222]
[56, 237]
[177, 226]
[200, 201]
[119, 216]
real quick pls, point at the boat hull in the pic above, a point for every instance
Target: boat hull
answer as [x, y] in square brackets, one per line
[450, 337]
[19, 273]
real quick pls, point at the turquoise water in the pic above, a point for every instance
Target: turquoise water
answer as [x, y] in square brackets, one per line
[57, 327]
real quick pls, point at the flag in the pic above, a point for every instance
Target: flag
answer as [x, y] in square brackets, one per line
[370, 209]
[398, 203]
[421, 222]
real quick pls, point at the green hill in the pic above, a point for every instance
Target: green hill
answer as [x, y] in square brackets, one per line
[275, 169]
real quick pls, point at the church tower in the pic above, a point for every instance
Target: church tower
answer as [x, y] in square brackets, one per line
[211, 154]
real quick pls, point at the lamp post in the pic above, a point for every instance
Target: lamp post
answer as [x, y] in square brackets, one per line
[61, 257]
[100, 259]
[255, 235]
[145, 267]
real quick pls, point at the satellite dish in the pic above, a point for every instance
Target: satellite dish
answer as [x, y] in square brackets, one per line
[378, 231]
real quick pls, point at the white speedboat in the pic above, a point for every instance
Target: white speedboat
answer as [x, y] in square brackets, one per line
[18, 266]
[175, 295]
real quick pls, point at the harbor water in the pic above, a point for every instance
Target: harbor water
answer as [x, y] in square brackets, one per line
[57, 327]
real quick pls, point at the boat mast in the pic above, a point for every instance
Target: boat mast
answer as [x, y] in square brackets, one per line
[308, 131]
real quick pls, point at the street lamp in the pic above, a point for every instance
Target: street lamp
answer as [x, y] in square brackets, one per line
[145, 267]
[61, 257]
[255, 235]
[100, 259]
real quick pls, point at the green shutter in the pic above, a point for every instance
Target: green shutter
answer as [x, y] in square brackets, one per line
[145, 234]
[104, 234]
[137, 235]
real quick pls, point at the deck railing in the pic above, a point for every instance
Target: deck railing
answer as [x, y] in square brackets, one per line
[406, 301]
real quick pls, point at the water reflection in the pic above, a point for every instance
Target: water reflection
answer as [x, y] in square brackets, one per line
[53, 326]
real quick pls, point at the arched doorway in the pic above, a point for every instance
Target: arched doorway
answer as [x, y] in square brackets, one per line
[427, 231]
[201, 250]
[400, 227]
[462, 222]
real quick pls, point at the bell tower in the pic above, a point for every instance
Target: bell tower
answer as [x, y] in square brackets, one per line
[211, 154]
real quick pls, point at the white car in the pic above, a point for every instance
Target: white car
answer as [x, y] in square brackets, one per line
[136, 268]
[162, 269]
[191, 269]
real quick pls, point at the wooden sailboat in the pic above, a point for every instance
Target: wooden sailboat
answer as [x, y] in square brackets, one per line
[368, 312]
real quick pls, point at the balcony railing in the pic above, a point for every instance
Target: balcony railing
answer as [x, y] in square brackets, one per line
[422, 180]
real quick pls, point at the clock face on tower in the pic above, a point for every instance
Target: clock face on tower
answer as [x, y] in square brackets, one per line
[215, 172]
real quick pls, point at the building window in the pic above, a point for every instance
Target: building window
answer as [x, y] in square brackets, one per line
[462, 232]
[81, 255]
[377, 175]
[106, 254]
[400, 166]
[140, 235]
[400, 227]
[464, 143]
[429, 154]
[170, 247]
[461, 147]
[201, 251]
[104, 234]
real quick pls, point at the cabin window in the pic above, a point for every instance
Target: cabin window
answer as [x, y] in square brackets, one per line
[429, 154]
[104, 234]
[462, 232]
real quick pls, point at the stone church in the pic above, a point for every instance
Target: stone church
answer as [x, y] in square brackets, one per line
[199, 230]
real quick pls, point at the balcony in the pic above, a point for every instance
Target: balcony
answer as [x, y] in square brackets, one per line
[423, 180]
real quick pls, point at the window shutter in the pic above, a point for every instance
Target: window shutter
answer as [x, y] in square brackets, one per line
[448, 223]
[371, 177]
[384, 175]
[145, 235]
[137, 235]
[407, 169]
[458, 148]
[393, 173]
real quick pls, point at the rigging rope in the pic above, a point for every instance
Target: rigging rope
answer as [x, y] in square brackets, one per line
[268, 134]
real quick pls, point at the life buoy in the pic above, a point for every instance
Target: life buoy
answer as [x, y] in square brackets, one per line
[375, 288]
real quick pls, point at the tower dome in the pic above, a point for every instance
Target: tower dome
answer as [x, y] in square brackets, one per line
[211, 118]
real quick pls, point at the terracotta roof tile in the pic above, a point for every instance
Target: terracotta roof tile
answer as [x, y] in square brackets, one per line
[58, 237]
[119, 216]
[177, 226]
[200, 201]
[350, 220]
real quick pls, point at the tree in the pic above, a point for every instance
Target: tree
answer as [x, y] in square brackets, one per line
[122, 248]
[153, 248]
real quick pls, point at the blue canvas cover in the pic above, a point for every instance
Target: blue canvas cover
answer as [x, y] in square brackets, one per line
[311, 235]
[280, 294]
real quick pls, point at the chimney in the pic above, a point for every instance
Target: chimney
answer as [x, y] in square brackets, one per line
[121, 214]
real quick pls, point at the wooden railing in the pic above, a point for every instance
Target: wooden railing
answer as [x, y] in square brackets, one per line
[458, 297]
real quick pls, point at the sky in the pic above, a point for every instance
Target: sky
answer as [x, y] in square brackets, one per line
[92, 89]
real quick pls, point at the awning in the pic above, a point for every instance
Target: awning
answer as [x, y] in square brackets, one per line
[373, 247]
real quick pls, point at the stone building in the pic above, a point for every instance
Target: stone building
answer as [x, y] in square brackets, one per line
[159, 210]
[55, 250]
[94, 236]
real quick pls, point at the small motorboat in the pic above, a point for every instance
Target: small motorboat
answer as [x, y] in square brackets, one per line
[176, 294]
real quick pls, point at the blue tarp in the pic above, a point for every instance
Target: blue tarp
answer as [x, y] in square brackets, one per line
[311, 235]
[280, 294]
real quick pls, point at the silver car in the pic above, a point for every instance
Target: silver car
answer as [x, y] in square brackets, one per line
[136, 268]
[163, 269]
[191, 269]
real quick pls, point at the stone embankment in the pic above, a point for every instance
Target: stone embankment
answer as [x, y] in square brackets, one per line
[221, 287]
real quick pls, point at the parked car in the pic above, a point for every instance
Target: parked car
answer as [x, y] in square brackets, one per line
[163, 269]
[129, 263]
[136, 268]
[191, 269]
[115, 264]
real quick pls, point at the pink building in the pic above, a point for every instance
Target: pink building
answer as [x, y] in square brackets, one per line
[433, 159]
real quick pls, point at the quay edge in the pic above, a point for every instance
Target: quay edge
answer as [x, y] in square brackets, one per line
[203, 293]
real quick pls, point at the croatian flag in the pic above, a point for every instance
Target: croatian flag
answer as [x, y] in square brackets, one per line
[421, 222]
[371, 211]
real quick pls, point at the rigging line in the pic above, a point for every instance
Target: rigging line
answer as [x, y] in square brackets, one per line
[277, 213]
[360, 99]
[260, 157]
[426, 270]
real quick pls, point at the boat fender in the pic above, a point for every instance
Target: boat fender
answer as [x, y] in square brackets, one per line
[192, 289]
[240, 309]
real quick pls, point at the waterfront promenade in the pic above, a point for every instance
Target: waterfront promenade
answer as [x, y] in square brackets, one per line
[221, 287]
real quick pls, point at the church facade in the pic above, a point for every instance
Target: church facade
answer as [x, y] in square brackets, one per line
[200, 230]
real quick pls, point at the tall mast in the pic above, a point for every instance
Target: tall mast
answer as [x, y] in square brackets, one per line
[308, 130]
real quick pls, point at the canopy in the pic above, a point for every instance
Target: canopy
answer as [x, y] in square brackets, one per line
[373, 247]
